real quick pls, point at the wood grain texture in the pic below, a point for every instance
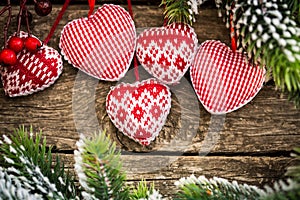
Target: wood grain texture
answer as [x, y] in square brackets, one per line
[251, 144]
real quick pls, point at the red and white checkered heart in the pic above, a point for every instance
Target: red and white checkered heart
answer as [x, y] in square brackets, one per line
[102, 45]
[223, 80]
[167, 52]
[32, 72]
[139, 110]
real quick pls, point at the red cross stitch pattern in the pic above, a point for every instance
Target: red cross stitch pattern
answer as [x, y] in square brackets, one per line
[167, 52]
[32, 72]
[102, 45]
[139, 110]
[223, 80]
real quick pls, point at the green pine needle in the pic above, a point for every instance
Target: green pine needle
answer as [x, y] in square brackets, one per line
[193, 188]
[27, 157]
[177, 11]
[98, 165]
[142, 191]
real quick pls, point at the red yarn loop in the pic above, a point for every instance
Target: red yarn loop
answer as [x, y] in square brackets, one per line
[135, 61]
[92, 7]
[232, 32]
[60, 15]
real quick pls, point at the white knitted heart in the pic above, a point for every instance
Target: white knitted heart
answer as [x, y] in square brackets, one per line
[167, 52]
[32, 72]
[139, 110]
[223, 80]
[102, 45]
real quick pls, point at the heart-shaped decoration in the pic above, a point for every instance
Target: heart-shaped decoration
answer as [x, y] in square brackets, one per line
[139, 110]
[223, 80]
[167, 52]
[102, 45]
[32, 72]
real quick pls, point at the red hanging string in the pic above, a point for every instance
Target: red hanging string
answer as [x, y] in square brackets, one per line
[135, 61]
[60, 15]
[232, 33]
[92, 7]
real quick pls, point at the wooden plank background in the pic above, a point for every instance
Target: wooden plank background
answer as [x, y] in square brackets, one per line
[252, 145]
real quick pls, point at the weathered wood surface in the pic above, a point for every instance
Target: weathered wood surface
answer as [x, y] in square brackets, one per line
[251, 145]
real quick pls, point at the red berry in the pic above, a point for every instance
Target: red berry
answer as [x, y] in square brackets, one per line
[43, 7]
[32, 44]
[8, 57]
[16, 44]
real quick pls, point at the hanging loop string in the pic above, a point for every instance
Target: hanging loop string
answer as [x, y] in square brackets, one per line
[92, 7]
[60, 15]
[135, 61]
[232, 32]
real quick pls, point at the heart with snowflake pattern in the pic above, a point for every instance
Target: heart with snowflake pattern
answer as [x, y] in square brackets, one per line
[224, 80]
[32, 72]
[102, 45]
[167, 52]
[139, 110]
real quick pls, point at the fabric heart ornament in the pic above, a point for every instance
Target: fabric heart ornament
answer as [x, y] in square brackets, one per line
[167, 52]
[223, 80]
[102, 45]
[139, 110]
[32, 72]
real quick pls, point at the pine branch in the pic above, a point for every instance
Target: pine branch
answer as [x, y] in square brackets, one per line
[281, 190]
[12, 187]
[98, 167]
[193, 188]
[143, 192]
[294, 171]
[27, 159]
[181, 11]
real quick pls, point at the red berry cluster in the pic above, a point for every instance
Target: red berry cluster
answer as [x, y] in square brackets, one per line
[8, 56]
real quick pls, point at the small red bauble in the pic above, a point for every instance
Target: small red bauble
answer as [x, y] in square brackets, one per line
[32, 44]
[8, 57]
[43, 7]
[16, 44]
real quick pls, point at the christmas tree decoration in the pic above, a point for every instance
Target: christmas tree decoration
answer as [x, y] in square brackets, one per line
[139, 110]
[268, 31]
[42, 7]
[101, 45]
[33, 71]
[167, 52]
[223, 80]
[28, 65]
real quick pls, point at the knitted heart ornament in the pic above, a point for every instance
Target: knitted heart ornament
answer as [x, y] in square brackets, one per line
[223, 80]
[167, 52]
[139, 110]
[102, 45]
[32, 72]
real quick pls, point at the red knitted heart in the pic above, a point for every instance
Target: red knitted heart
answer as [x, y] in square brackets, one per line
[139, 110]
[167, 52]
[32, 72]
[102, 45]
[223, 80]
